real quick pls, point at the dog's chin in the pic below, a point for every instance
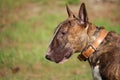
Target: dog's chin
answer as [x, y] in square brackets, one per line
[63, 61]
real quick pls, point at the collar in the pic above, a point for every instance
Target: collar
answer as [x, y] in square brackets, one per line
[92, 48]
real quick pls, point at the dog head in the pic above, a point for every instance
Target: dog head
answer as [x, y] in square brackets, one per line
[70, 36]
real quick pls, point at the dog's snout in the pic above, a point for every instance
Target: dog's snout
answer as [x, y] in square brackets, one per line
[48, 57]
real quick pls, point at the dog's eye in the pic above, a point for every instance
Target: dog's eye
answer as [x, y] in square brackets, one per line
[63, 32]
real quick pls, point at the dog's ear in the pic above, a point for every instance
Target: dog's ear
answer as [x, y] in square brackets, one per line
[83, 14]
[70, 13]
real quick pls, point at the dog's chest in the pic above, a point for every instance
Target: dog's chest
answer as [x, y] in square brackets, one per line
[96, 73]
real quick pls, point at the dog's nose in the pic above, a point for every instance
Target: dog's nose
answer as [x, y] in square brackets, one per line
[48, 57]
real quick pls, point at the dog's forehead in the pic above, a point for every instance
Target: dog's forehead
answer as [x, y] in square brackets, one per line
[61, 26]
[57, 30]
[66, 24]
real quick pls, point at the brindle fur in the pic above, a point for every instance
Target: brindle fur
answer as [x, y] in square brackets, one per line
[75, 34]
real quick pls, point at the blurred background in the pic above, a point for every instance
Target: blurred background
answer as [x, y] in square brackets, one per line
[27, 26]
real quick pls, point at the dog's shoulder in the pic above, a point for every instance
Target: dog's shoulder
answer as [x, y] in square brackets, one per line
[110, 57]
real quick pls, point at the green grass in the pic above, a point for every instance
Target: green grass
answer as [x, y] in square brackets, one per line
[9, 4]
[23, 44]
[107, 24]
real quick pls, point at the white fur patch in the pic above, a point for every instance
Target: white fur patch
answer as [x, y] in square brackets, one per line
[96, 74]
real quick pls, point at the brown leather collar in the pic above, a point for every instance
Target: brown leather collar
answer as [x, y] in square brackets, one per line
[92, 48]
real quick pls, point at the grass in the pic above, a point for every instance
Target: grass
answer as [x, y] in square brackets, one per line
[23, 44]
[108, 25]
[13, 3]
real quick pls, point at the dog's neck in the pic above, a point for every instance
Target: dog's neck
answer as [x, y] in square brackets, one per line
[93, 35]
[96, 36]
[93, 32]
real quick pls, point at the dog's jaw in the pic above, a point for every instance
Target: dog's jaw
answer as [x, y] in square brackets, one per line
[63, 61]
[59, 56]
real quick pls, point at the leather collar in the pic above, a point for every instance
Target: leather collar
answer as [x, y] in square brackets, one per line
[92, 48]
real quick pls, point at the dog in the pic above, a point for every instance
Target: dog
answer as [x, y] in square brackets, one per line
[101, 48]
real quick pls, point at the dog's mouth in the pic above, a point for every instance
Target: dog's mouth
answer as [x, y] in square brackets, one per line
[63, 61]
[60, 56]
